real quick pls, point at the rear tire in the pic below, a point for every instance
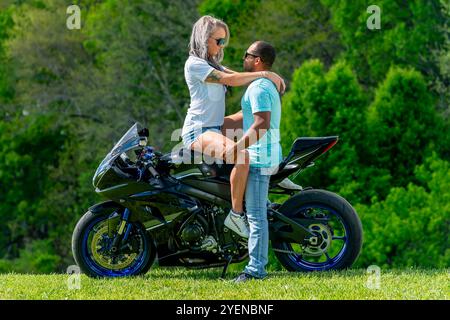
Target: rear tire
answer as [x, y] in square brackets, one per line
[91, 267]
[344, 212]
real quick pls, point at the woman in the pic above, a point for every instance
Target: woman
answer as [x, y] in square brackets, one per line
[202, 130]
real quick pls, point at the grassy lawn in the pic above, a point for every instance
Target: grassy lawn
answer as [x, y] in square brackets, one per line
[177, 283]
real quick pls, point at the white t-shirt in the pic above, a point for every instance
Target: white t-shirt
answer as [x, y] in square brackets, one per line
[207, 108]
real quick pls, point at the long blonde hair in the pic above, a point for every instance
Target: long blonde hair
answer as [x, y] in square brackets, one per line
[201, 31]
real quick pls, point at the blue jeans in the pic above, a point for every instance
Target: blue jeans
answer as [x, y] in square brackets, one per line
[256, 196]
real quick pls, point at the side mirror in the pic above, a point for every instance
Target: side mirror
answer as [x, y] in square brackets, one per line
[143, 132]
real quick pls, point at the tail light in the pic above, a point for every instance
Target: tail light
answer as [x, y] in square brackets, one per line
[330, 145]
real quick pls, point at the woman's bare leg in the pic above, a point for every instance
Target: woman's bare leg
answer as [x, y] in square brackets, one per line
[238, 181]
[213, 144]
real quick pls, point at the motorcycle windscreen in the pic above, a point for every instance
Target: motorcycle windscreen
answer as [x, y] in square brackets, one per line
[128, 141]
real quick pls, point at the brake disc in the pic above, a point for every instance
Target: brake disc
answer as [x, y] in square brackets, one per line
[101, 255]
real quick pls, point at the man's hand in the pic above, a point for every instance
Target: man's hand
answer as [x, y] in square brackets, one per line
[230, 153]
[232, 126]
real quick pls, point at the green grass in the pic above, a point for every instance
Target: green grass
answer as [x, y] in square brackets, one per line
[177, 283]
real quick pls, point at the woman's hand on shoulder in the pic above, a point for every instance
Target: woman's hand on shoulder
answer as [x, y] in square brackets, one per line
[276, 79]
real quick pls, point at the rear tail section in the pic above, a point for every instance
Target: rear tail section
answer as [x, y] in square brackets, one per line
[303, 152]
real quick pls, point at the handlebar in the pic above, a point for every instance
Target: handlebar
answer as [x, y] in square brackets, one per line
[146, 157]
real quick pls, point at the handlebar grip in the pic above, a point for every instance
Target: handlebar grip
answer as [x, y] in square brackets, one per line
[154, 173]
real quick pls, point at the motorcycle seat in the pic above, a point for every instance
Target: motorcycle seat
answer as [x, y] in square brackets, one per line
[209, 166]
[186, 156]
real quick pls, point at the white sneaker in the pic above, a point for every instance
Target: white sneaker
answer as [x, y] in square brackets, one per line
[238, 224]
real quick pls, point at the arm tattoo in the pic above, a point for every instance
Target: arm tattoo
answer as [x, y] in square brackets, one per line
[214, 76]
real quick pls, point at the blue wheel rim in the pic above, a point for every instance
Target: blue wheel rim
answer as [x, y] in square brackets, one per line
[331, 262]
[101, 271]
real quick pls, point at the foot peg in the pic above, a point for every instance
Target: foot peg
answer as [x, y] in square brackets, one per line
[288, 184]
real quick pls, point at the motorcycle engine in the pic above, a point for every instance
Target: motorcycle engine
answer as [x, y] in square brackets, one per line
[194, 231]
[194, 234]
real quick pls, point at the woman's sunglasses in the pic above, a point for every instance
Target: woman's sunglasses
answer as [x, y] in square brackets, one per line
[220, 41]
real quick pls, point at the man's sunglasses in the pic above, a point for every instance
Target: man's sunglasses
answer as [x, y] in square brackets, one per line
[220, 41]
[249, 54]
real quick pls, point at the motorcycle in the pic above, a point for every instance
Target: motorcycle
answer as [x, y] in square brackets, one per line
[171, 208]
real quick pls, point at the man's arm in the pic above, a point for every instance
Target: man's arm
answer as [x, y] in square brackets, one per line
[256, 131]
[232, 126]
[234, 121]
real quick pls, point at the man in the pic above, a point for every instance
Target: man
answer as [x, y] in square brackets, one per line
[261, 112]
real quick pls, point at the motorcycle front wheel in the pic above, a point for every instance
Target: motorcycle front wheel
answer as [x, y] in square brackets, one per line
[91, 243]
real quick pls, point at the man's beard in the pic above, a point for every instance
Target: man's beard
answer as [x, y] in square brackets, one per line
[248, 68]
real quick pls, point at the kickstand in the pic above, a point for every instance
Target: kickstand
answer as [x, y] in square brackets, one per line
[229, 258]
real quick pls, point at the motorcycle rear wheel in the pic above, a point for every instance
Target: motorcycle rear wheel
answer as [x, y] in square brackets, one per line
[337, 226]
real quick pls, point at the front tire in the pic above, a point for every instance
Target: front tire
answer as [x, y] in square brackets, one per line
[328, 210]
[90, 241]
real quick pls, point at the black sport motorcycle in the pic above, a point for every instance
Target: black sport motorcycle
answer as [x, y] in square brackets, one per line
[171, 208]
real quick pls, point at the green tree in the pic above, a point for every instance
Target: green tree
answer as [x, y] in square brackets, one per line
[46, 58]
[301, 105]
[6, 87]
[411, 227]
[139, 49]
[93, 83]
[332, 103]
[298, 29]
[403, 124]
[407, 36]
[29, 148]
[234, 12]
[441, 57]
[238, 15]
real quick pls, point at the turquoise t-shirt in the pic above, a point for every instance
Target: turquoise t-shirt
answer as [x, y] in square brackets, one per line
[260, 96]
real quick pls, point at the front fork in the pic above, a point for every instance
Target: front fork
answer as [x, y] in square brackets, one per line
[122, 234]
